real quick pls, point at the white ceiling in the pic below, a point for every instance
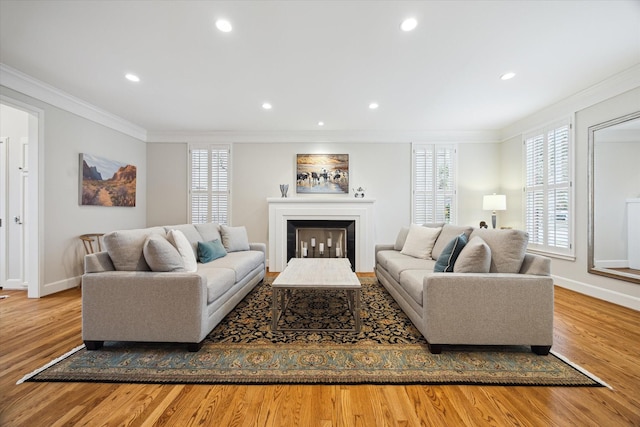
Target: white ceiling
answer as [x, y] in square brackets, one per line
[320, 60]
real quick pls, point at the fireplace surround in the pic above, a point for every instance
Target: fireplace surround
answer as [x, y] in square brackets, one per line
[360, 211]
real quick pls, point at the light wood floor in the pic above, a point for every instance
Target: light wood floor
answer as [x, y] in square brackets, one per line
[601, 337]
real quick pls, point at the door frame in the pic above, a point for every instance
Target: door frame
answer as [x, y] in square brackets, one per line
[34, 212]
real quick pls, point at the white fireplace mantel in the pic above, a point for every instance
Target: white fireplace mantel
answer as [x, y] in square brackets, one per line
[283, 209]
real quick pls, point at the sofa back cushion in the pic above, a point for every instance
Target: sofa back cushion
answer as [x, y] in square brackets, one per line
[507, 248]
[448, 233]
[125, 247]
[209, 231]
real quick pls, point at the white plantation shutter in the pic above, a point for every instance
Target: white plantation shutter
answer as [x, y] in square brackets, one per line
[209, 187]
[548, 189]
[434, 185]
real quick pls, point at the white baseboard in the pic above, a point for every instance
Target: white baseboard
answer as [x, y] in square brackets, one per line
[600, 293]
[61, 285]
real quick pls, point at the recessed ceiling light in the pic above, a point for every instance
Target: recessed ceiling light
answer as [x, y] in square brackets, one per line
[223, 25]
[320, 123]
[409, 24]
[373, 105]
[508, 76]
[266, 106]
[132, 77]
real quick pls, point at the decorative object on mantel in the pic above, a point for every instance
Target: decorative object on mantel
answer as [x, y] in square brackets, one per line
[283, 189]
[494, 202]
[483, 224]
[359, 192]
[322, 173]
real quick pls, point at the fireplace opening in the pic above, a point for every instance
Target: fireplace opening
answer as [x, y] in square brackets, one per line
[322, 239]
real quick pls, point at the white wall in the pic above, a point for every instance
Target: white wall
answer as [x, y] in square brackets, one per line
[66, 135]
[167, 181]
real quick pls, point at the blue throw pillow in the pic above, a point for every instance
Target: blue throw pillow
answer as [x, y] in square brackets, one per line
[449, 254]
[208, 251]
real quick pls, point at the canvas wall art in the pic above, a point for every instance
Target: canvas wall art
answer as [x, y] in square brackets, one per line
[105, 182]
[322, 173]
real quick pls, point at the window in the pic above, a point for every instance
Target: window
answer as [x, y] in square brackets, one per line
[209, 186]
[548, 189]
[434, 183]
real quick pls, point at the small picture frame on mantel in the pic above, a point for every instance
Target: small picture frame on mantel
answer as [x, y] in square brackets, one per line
[322, 174]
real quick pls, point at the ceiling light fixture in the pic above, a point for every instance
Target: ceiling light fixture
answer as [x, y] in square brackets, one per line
[508, 76]
[132, 77]
[373, 105]
[409, 24]
[267, 106]
[320, 123]
[224, 25]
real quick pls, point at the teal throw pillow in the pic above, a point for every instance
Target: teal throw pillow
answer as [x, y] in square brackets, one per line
[449, 254]
[208, 251]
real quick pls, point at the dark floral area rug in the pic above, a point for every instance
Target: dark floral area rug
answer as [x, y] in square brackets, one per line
[242, 349]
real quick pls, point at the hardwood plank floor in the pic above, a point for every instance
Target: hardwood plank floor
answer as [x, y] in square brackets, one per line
[601, 337]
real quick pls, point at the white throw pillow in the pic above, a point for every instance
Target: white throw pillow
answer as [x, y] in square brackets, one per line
[420, 241]
[179, 240]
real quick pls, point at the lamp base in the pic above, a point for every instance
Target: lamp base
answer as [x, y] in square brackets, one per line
[493, 219]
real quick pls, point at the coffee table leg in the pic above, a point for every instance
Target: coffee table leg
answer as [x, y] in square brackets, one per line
[274, 309]
[356, 310]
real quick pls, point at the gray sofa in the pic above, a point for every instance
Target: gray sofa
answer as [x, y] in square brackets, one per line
[493, 293]
[147, 287]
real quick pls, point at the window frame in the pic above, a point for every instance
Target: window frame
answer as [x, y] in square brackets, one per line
[415, 184]
[210, 192]
[545, 189]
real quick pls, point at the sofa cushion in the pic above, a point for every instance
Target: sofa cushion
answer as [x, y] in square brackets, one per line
[125, 247]
[208, 251]
[209, 231]
[383, 257]
[234, 238]
[179, 240]
[450, 254]
[396, 266]
[448, 233]
[162, 255]
[190, 232]
[475, 257]
[420, 241]
[402, 237]
[507, 248]
[242, 263]
[219, 280]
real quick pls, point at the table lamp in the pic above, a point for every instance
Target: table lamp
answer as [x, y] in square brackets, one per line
[494, 202]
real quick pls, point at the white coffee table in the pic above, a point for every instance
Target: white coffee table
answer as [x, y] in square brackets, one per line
[311, 274]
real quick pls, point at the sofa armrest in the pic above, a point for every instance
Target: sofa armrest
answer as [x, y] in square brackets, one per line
[384, 247]
[536, 264]
[98, 262]
[488, 308]
[262, 247]
[144, 306]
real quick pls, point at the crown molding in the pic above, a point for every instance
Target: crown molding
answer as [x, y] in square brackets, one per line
[325, 136]
[23, 83]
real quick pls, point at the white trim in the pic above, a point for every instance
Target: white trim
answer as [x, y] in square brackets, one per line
[21, 82]
[598, 292]
[61, 285]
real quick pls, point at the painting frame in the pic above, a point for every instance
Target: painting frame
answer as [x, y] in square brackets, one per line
[106, 182]
[322, 174]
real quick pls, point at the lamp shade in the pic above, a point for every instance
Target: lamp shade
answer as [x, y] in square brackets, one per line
[494, 202]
